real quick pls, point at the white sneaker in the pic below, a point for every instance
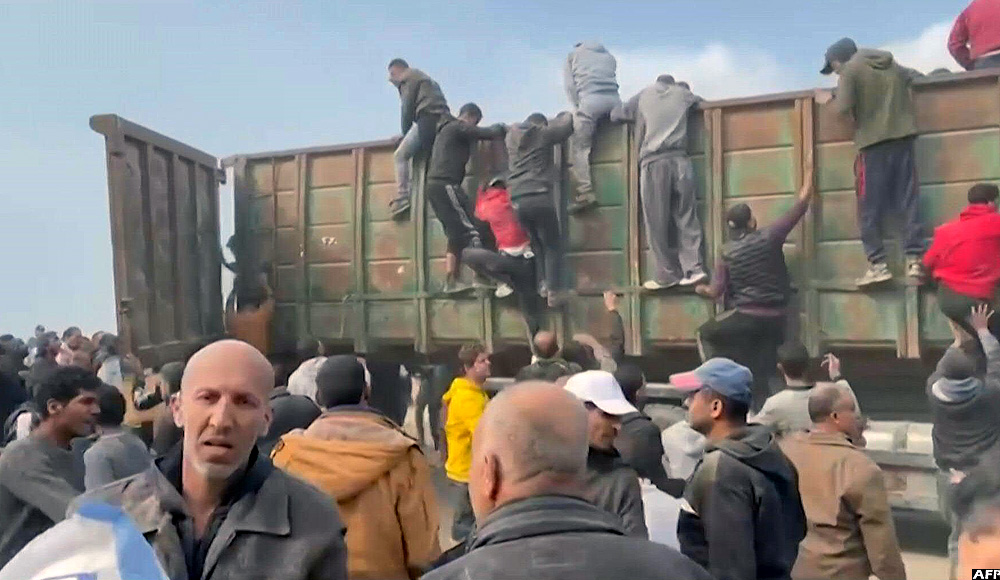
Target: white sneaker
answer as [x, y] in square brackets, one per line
[503, 291]
[654, 285]
[694, 278]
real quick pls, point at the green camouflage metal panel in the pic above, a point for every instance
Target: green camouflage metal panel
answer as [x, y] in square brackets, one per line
[838, 216]
[437, 242]
[287, 284]
[338, 321]
[456, 320]
[857, 317]
[260, 177]
[331, 169]
[285, 175]
[330, 206]
[933, 324]
[844, 261]
[391, 277]
[600, 229]
[596, 271]
[941, 203]
[767, 210]
[508, 323]
[377, 198]
[835, 166]
[389, 240]
[749, 173]
[330, 281]
[668, 318]
[261, 214]
[759, 126]
[286, 205]
[589, 316]
[937, 108]
[831, 127]
[333, 243]
[287, 248]
[392, 319]
[960, 156]
[379, 166]
[609, 144]
[609, 182]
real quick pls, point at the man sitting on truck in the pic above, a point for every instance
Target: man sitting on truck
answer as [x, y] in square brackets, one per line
[874, 91]
[453, 208]
[422, 104]
[753, 277]
[531, 150]
[960, 259]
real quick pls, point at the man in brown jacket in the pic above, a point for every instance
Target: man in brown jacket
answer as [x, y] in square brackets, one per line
[850, 531]
[375, 471]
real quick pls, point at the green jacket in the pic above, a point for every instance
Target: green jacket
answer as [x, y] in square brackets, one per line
[875, 91]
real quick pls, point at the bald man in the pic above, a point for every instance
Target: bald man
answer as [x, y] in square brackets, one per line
[529, 459]
[214, 508]
[548, 365]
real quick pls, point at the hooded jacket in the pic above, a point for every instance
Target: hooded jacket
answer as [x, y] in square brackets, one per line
[531, 151]
[590, 72]
[288, 412]
[965, 423]
[743, 518]
[419, 95]
[554, 537]
[875, 91]
[955, 257]
[661, 114]
[547, 369]
[381, 482]
[641, 447]
[613, 486]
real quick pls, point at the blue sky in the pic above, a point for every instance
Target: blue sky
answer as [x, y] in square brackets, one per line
[237, 77]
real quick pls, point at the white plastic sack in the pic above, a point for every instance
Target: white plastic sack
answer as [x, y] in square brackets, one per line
[99, 542]
[661, 512]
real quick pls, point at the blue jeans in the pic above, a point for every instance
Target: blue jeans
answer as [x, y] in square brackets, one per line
[992, 61]
[405, 153]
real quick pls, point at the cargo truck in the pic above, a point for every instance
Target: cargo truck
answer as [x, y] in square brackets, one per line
[342, 269]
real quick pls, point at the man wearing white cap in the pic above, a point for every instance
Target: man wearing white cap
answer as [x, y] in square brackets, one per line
[610, 483]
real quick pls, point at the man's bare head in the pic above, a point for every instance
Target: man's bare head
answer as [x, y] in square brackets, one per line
[532, 440]
[546, 345]
[223, 406]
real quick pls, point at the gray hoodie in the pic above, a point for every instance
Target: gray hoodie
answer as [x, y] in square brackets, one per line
[531, 149]
[661, 114]
[590, 72]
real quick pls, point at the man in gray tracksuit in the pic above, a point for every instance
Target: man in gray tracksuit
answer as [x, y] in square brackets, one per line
[666, 181]
[592, 87]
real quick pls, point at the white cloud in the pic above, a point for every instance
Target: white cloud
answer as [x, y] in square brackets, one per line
[717, 71]
[926, 52]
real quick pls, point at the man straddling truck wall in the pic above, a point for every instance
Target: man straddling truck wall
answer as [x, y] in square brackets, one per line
[592, 88]
[452, 206]
[422, 104]
[974, 41]
[666, 181]
[874, 91]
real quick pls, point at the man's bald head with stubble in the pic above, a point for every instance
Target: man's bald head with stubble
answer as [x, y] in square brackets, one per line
[546, 344]
[532, 440]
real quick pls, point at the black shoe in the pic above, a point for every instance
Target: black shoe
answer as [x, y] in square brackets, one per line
[582, 203]
[400, 208]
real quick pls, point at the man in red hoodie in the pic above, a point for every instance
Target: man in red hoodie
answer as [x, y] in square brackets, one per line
[513, 266]
[975, 37]
[964, 258]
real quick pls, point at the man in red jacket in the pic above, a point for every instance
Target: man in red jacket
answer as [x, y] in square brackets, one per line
[975, 37]
[964, 258]
[513, 266]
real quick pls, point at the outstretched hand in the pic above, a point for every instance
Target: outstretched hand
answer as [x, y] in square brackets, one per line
[832, 365]
[610, 300]
[704, 290]
[980, 318]
[808, 188]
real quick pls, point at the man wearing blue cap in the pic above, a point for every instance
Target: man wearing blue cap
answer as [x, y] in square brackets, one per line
[874, 92]
[742, 517]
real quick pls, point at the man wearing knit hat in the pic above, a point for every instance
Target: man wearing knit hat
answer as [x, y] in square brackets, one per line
[874, 92]
[753, 278]
[742, 516]
[609, 482]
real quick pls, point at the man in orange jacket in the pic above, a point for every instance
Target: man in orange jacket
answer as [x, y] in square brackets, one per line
[375, 472]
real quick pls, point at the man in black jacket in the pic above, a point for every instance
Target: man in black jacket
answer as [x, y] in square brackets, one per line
[609, 483]
[753, 278]
[964, 409]
[422, 104]
[549, 366]
[452, 206]
[528, 457]
[743, 517]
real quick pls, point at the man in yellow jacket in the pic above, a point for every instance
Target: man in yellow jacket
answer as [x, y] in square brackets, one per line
[462, 407]
[375, 472]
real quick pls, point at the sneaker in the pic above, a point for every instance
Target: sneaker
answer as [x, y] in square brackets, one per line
[582, 203]
[503, 291]
[694, 278]
[653, 285]
[543, 290]
[455, 287]
[915, 269]
[400, 208]
[876, 273]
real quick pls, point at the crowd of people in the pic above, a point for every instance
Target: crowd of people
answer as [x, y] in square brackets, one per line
[260, 468]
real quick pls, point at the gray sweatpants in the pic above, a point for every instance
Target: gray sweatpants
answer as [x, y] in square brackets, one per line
[585, 118]
[670, 208]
